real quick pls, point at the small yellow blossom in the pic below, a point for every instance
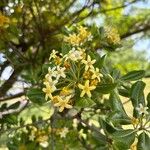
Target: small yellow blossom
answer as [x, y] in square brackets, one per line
[88, 63]
[87, 75]
[52, 72]
[57, 60]
[135, 121]
[53, 54]
[63, 103]
[67, 65]
[142, 110]
[42, 138]
[60, 72]
[50, 82]
[112, 35]
[55, 99]
[86, 89]
[73, 39]
[134, 145]
[96, 74]
[66, 91]
[74, 55]
[78, 39]
[64, 132]
[94, 82]
[82, 134]
[48, 90]
[83, 33]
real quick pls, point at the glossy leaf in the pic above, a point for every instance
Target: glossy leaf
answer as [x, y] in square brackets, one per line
[137, 95]
[106, 88]
[84, 102]
[143, 141]
[133, 75]
[36, 95]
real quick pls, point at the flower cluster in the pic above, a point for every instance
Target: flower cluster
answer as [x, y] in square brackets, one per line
[112, 35]
[79, 39]
[74, 71]
[38, 135]
[3, 20]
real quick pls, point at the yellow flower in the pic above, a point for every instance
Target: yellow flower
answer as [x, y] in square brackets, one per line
[66, 91]
[73, 39]
[74, 55]
[88, 63]
[142, 110]
[78, 39]
[83, 33]
[48, 90]
[63, 103]
[112, 35]
[87, 75]
[134, 145]
[96, 74]
[57, 60]
[53, 54]
[82, 134]
[51, 72]
[60, 72]
[135, 121]
[86, 89]
[64, 132]
[94, 82]
[42, 138]
[67, 65]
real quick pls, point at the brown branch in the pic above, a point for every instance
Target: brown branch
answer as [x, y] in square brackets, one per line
[12, 96]
[119, 7]
[143, 29]
[3, 66]
[9, 83]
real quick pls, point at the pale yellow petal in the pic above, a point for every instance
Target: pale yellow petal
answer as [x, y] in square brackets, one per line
[80, 86]
[88, 93]
[82, 93]
[68, 106]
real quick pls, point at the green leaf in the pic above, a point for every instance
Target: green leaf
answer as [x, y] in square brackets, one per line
[123, 138]
[84, 102]
[115, 118]
[143, 142]
[116, 105]
[137, 95]
[36, 95]
[148, 100]
[100, 61]
[15, 105]
[124, 92]
[133, 75]
[65, 48]
[115, 74]
[109, 129]
[106, 88]
[11, 119]
[123, 133]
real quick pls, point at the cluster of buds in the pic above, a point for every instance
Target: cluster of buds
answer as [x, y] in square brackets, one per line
[112, 35]
[80, 38]
[74, 71]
